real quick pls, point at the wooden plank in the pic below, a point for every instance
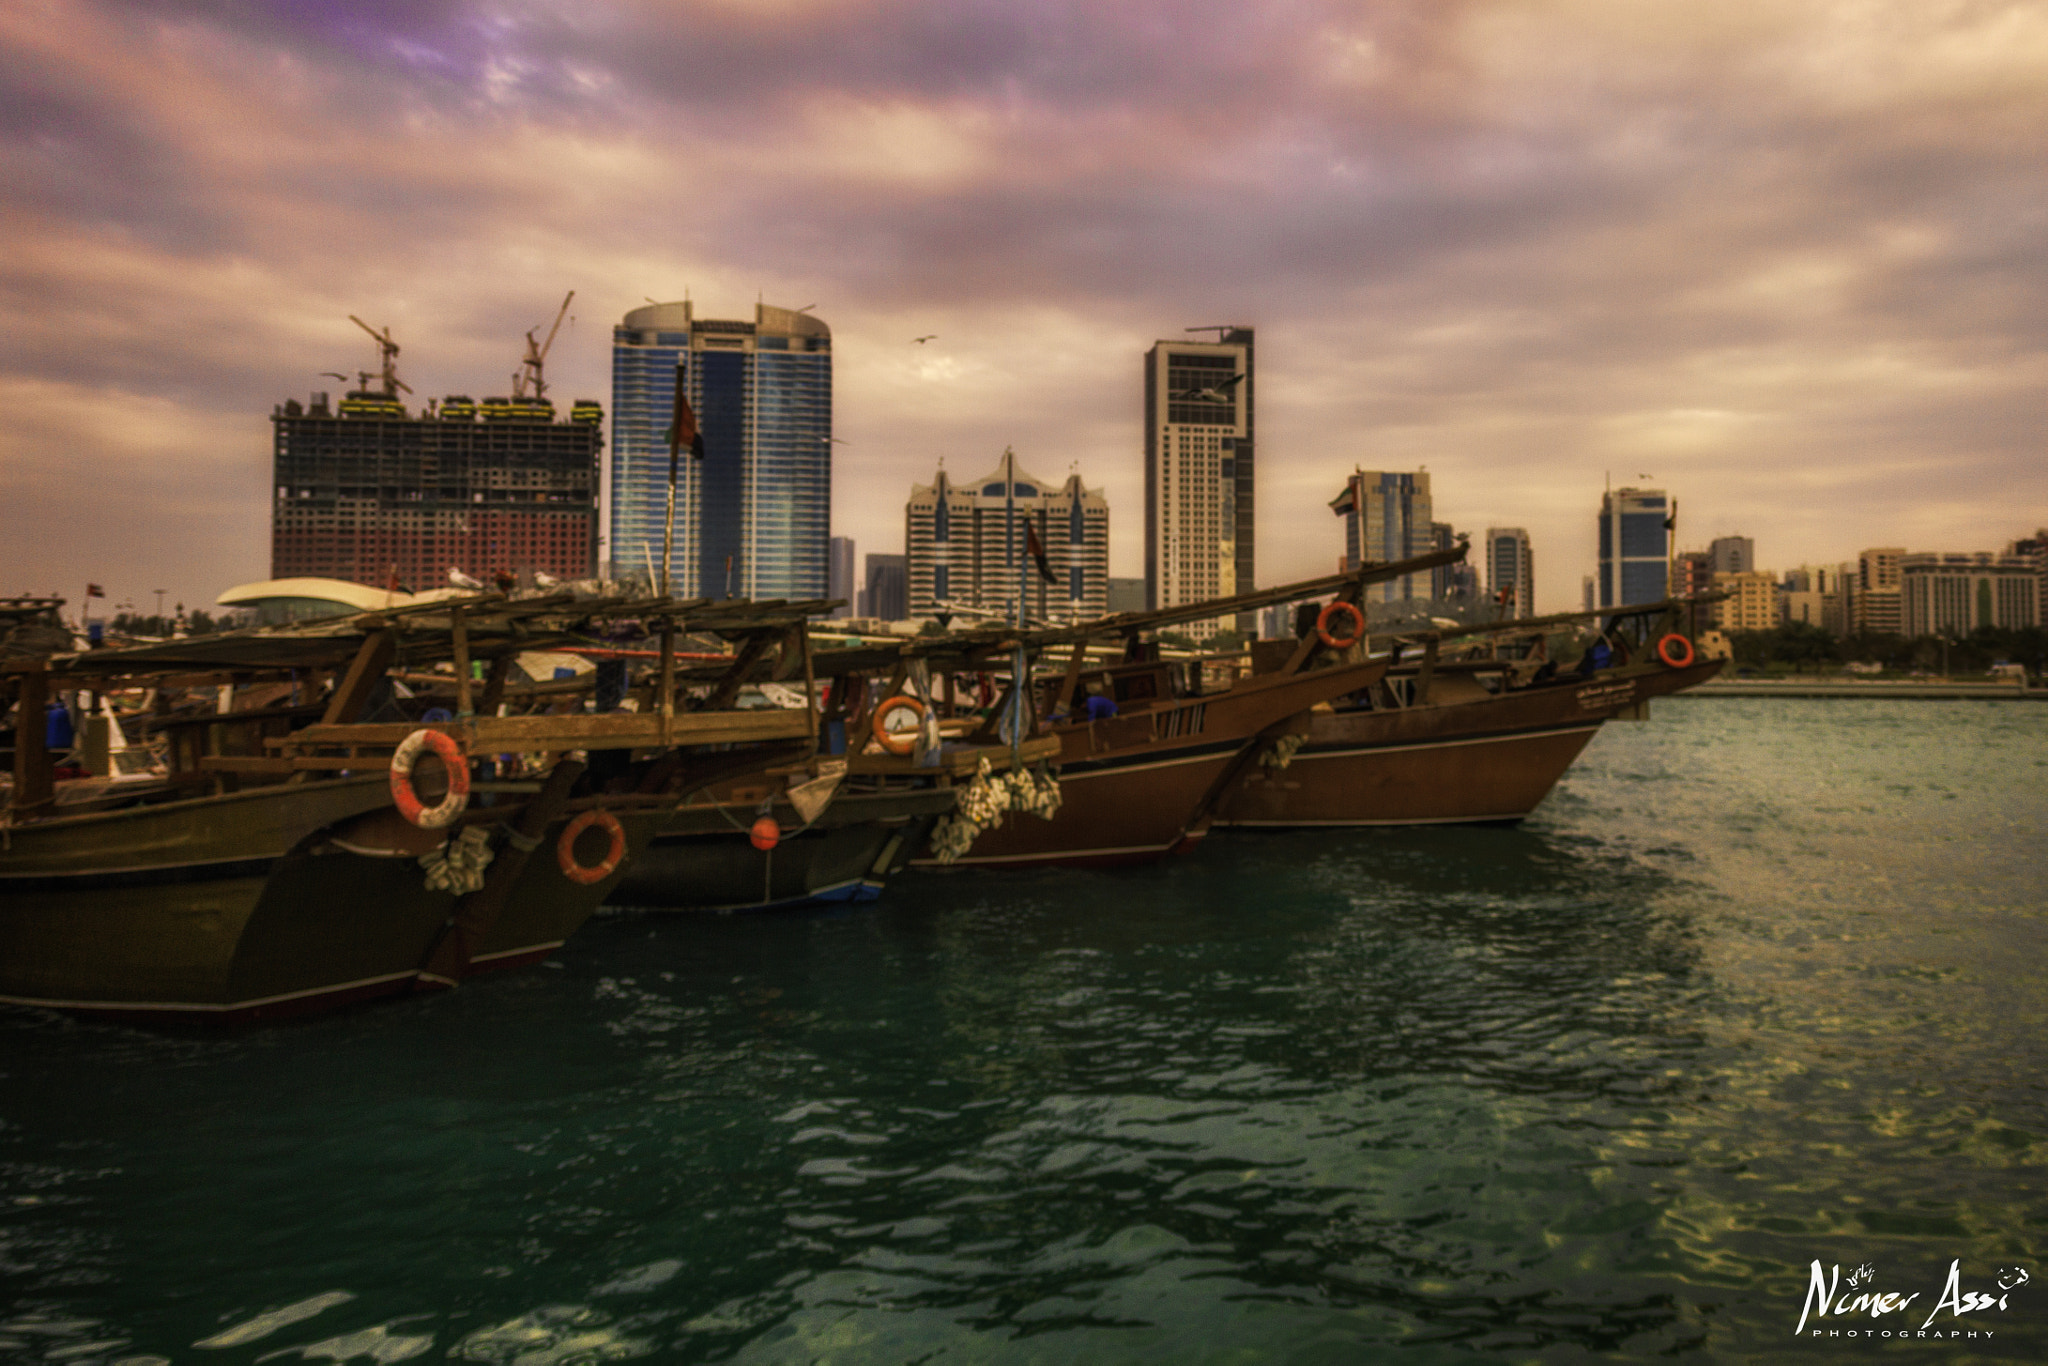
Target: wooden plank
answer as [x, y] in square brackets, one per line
[35, 782]
[494, 684]
[258, 764]
[803, 641]
[955, 762]
[728, 688]
[610, 730]
[363, 672]
[458, 632]
[665, 689]
[1426, 674]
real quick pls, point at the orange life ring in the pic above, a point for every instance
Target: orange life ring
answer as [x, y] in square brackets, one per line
[897, 741]
[565, 847]
[403, 760]
[1675, 650]
[1323, 625]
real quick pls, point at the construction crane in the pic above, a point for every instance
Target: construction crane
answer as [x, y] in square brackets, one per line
[536, 356]
[388, 350]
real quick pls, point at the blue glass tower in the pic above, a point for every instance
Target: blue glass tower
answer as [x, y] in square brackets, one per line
[753, 517]
[1634, 548]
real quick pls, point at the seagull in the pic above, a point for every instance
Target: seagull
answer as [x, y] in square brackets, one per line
[1215, 393]
[929, 336]
[458, 579]
[544, 580]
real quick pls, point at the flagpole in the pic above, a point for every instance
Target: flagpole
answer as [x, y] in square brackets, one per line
[1020, 682]
[675, 443]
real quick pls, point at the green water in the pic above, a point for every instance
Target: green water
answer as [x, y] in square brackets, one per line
[1760, 984]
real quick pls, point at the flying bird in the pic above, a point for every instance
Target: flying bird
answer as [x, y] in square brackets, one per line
[458, 579]
[929, 336]
[1215, 393]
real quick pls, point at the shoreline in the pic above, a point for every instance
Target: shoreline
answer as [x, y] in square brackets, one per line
[1929, 690]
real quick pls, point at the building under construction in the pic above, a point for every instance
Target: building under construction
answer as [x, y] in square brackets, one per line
[371, 493]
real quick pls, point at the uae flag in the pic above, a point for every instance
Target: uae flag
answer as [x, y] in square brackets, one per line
[683, 431]
[1036, 548]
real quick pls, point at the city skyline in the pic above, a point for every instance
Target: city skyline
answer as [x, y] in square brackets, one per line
[1782, 265]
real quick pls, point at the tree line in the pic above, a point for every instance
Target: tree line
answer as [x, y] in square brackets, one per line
[1807, 648]
[196, 622]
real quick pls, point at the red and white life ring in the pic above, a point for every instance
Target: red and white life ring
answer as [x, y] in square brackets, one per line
[1675, 650]
[565, 847]
[1329, 612]
[898, 741]
[403, 760]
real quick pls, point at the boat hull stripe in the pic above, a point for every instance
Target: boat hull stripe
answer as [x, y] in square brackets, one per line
[152, 875]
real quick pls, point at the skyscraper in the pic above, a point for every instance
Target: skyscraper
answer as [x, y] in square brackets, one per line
[753, 515]
[1387, 517]
[840, 583]
[1511, 570]
[966, 544]
[1199, 463]
[1633, 546]
[1732, 554]
[884, 597]
[1879, 609]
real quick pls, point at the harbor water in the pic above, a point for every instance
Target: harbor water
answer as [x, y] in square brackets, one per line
[1760, 986]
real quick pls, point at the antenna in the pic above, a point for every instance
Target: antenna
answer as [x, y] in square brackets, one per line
[388, 350]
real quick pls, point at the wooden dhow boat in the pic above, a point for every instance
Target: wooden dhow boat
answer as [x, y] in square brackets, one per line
[840, 822]
[1143, 783]
[1474, 740]
[310, 852]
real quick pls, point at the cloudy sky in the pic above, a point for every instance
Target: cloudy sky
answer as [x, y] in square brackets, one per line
[1785, 260]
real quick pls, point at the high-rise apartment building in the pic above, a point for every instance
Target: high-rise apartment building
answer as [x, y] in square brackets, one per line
[1819, 595]
[1199, 463]
[885, 597]
[375, 495]
[1879, 611]
[1386, 518]
[839, 582]
[967, 545]
[1634, 531]
[1692, 573]
[1952, 595]
[753, 515]
[2034, 550]
[1732, 554]
[1458, 580]
[1754, 605]
[1511, 570]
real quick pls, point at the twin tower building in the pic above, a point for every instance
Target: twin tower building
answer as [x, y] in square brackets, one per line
[507, 489]
[754, 513]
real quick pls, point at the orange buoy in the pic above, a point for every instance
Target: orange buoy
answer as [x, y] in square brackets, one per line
[766, 834]
[1336, 642]
[565, 847]
[1675, 650]
[894, 740]
[407, 800]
